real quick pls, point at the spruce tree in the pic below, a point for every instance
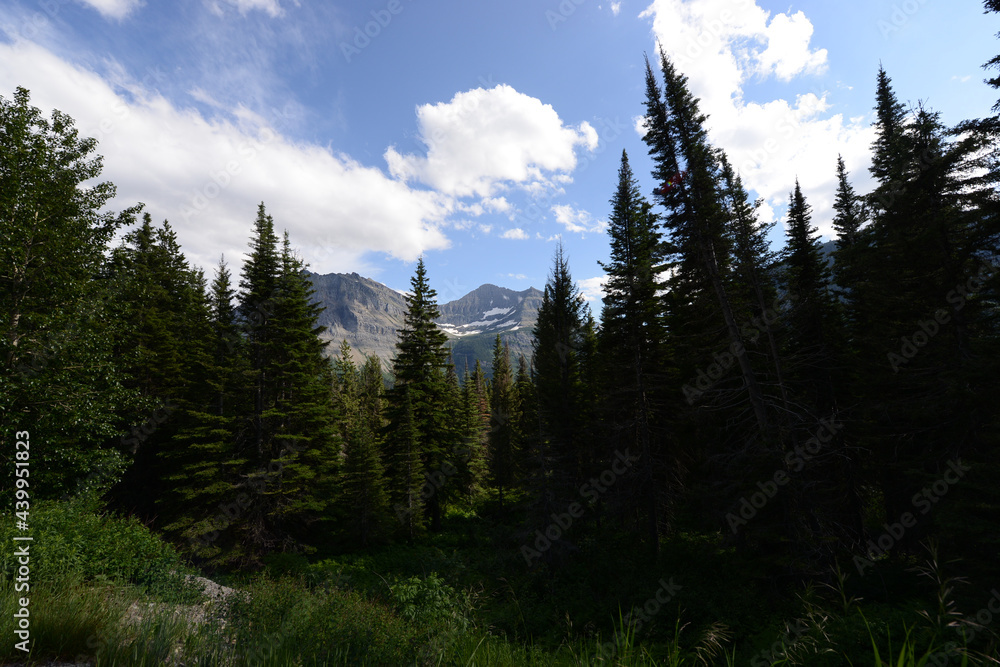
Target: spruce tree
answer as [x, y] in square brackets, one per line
[258, 289]
[204, 479]
[632, 336]
[418, 425]
[754, 285]
[695, 220]
[557, 376]
[288, 466]
[993, 63]
[503, 454]
[849, 219]
[363, 495]
[166, 355]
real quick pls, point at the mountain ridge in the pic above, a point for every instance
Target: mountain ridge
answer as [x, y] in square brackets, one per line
[368, 315]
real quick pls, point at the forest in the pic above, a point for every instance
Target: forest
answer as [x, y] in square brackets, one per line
[750, 455]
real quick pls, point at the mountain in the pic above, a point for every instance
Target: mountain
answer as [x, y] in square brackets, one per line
[473, 322]
[368, 315]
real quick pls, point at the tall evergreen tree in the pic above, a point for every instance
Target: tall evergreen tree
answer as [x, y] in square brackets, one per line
[417, 429]
[849, 219]
[934, 223]
[363, 485]
[754, 289]
[204, 478]
[258, 287]
[994, 63]
[695, 220]
[633, 336]
[813, 316]
[503, 454]
[557, 376]
[166, 354]
[304, 445]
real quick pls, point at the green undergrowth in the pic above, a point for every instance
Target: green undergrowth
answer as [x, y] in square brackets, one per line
[108, 591]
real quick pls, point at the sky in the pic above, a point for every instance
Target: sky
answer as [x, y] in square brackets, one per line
[474, 134]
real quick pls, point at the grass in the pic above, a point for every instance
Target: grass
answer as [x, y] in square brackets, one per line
[464, 597]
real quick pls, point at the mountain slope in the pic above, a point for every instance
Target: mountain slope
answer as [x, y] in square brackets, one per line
[368, 315]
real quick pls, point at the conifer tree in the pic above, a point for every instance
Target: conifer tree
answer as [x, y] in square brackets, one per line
[632, 335]
[503, 454]
[363, 494]
[695, 220]
[848, 222]
[418, 425]
[165, 354]
[288, 464]
[754, 288]
[557, 375]
[473, 452]
[993, 63]
[812, 317]
[204, 481]
[258, 289]
[305, 448]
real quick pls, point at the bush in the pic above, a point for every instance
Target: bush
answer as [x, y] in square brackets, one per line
[73, 540]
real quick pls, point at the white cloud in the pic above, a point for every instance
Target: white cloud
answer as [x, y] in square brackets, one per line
[962, 79]
[639, 125]
[516, 233]
[271, 7]
[592, 289]
[787, 53]
[113, 9]
[616, 8]
[578, 221]
[483, 139]
[207, 176]
[722, 46]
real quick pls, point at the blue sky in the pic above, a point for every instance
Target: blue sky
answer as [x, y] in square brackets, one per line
[473, 133]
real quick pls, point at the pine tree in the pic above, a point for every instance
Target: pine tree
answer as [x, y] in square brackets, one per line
[363, 492]
[632, 335]
[812, 317]
[165, 354]
[754, 288]
[695, 220]
[933, 225]
[848, 222]
[472, 462]
[556, 364]
[417, 430]
[258, 286]
[288, 466]
[993, 6]
[204, 482]
[503, 454]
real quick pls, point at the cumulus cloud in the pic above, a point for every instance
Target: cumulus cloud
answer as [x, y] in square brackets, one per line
[787, 53]
[207, 176]
[516, 234]
[484, 139]
[723, 47]
[592, 289]
[113, 9]
[577, 220]
[616, 8]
